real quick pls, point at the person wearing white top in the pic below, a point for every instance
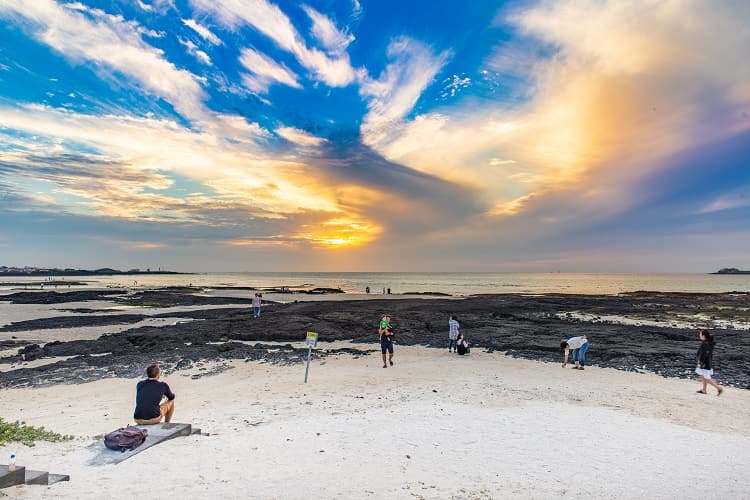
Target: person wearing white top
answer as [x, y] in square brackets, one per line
[452, 333]
[579, 346]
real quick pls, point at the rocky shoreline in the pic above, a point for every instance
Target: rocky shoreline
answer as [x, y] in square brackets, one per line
[656, 332]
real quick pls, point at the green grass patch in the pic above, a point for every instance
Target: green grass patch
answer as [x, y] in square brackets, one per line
[22, 433]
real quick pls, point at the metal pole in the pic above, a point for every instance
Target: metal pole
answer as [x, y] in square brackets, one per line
[307, 368]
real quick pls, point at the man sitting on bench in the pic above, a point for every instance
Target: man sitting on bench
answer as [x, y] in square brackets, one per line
[149, 393]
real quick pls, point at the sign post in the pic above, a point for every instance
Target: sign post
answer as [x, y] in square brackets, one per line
[311, 340]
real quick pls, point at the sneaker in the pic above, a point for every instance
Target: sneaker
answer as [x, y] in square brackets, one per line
[385, 366]
[391, 363]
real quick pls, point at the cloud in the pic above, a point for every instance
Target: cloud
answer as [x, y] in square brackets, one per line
[109, 42]
[145, 245]
[300, 137]
[737, 198]
[269, 20]
[137, 168]
[393, 95]
[194, 51]
[612, 94]
[264, 72]
[326, 33]
[204, 32]
[454, 85]
[238, 172]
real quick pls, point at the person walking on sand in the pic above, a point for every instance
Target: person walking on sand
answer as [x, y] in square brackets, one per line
[452, 333]
[386, 339]
[579, 346]
[705, 360]
[256, 305]
[154, 399]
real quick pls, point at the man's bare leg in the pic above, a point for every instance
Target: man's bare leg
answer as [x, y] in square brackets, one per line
[169, 412]
[390, 359]
[384, 362]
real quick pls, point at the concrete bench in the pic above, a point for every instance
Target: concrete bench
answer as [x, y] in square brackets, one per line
[157, 433]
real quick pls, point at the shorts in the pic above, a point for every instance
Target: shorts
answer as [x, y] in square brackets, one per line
[386, 346]
[163, 409]
[704, 373]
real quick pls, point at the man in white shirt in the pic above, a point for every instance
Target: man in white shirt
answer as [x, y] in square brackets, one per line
[579, 346]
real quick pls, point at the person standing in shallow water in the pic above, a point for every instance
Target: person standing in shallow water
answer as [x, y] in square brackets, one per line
[705, 361]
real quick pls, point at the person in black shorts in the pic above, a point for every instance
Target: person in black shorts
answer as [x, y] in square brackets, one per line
[154, 399]
[386, 339]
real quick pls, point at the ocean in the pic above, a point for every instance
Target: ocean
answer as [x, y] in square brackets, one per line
[457, 284]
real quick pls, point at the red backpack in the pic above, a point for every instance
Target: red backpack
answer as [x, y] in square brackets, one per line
[125, 438]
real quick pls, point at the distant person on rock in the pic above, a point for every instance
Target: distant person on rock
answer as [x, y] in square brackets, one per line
[452, 333]
[257, 299]
[386, 339]
[154, 399]
[579, 346]
[705, 360]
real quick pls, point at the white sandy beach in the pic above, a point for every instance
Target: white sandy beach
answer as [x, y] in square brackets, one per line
[434, 426]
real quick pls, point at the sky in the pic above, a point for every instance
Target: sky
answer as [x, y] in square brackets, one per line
[375, 135]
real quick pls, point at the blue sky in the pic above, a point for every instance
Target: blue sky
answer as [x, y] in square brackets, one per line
[574, 135]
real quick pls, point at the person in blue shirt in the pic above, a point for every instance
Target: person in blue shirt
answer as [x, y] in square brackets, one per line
[154, 399]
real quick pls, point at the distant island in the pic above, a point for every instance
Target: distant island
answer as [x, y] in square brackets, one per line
[730, 270]
[105, 271]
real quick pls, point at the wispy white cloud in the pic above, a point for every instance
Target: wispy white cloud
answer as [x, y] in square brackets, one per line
[265, 72]
[737, 198]
[356, 8]
[160, 6]
[194, 51]
[269, 20]
[324, 30]
[453, 85]
[300, 137]
[393, 95]
[109, 42]
[204, 32]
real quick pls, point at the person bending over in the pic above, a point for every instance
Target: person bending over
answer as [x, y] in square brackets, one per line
[386, 339]
[579, 346]
[154, 399]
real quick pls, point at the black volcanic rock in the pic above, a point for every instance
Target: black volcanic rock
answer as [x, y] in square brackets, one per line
[521, 326]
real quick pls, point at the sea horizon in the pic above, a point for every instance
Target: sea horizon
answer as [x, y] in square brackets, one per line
[444, 282]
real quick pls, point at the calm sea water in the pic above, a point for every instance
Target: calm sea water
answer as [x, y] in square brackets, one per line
[451, 283]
